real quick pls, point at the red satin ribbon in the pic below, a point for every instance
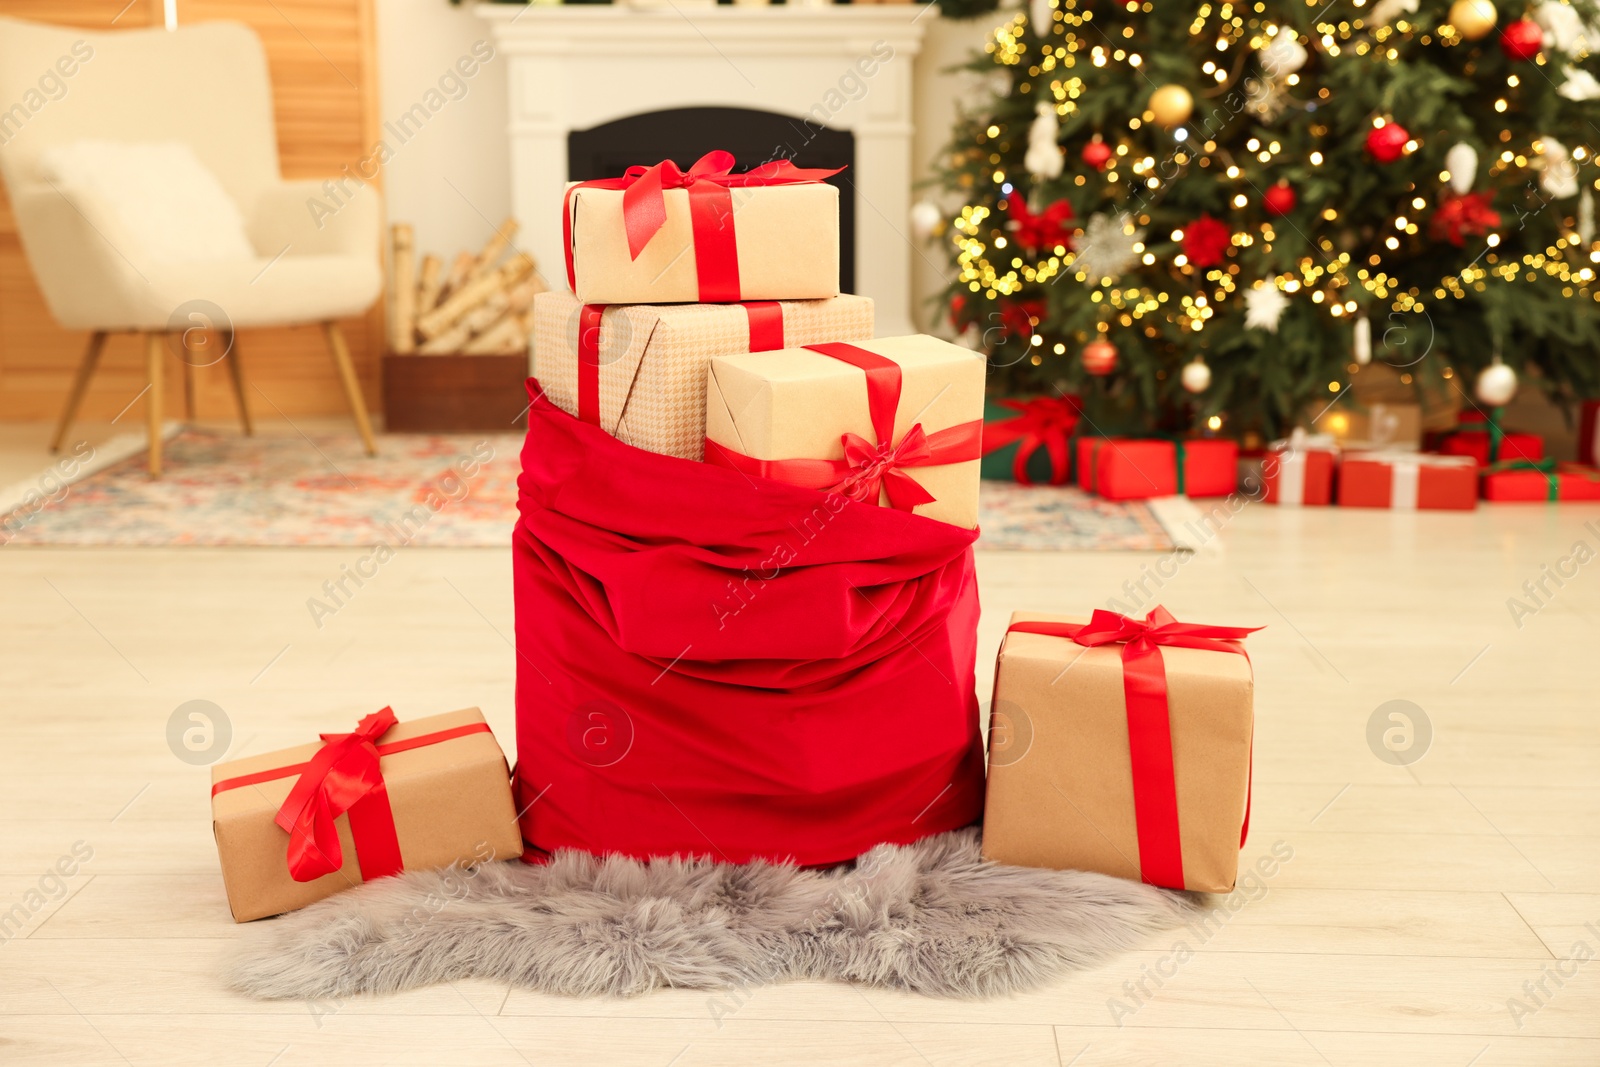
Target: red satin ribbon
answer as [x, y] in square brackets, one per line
[589, 320]
[708, 183]
[1144, 686]
[766, 335]
[868, 469]
[1046, 421]
[766, 325]
[344, 778]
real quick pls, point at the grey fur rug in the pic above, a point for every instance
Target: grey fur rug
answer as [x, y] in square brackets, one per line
[931, 917]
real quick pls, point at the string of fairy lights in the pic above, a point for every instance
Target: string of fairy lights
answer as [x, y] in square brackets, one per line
[992, 265]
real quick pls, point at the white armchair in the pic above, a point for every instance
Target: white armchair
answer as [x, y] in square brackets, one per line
[205, 86]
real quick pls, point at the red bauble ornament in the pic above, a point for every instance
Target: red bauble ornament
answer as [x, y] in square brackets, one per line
[958, 304]
[1206, 241]
[1521, 40]
[1099, 357]
[1097, 153]
[1387, 143]
[1279, 199]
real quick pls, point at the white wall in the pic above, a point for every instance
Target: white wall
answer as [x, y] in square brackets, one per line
[452, 180]
[940, 93]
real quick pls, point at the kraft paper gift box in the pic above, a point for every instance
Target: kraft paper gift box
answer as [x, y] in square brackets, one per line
[639, 370]
[816, 417]
[1389, 426]
[1138, 468]
[1407, 481]
[445, 799]
[1299, 470]
[704, 242]
[1532, 481]
[1073, 787]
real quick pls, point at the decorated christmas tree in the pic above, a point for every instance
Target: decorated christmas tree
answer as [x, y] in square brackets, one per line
[1216, 212]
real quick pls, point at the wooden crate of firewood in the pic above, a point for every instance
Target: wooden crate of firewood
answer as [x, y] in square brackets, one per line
[458, 336]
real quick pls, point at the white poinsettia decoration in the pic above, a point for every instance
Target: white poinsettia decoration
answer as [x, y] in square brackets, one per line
[1283, 56]
[1579, 85]
[1564, 29]
[1264, 307]
[1386, 11]
[1108, 246]
[1560, 175]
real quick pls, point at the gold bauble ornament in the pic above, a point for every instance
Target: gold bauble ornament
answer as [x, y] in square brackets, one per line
[1172, 105]
[1473, 19]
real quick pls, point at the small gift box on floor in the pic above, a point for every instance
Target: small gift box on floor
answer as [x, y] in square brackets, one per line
[660, 235]
[1484, 441]
[1408, 481]
[1529, 481]
[1030, 441]
[301, 824]
[895, 420]
[1138, 468]
[638, 371]
[1122, 746]
[1299, 470]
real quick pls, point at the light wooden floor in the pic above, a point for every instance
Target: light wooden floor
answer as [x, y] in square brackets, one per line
[1418, 901]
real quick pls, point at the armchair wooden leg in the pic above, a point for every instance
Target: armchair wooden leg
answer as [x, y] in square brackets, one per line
[154, 351]
[352, 386]
[188, 384]
[236, 372]
[80, 386]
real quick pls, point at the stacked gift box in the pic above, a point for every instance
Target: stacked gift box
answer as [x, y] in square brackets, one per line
[705, 326]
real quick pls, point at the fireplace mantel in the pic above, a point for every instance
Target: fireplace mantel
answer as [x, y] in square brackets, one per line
[575, 67]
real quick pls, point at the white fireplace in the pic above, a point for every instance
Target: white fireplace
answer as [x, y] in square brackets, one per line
[843, 67]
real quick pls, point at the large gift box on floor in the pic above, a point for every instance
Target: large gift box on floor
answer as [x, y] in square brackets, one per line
[1299, 470]
[1408, 480]
[300, 824]
[1526, 482]
[1122, 746]
[660, 235]
[639, 371]
[1030, 440]
[1138, 468]
[896, 420]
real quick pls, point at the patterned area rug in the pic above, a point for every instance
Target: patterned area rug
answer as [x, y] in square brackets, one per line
[1049, 518]
[444, 490]
[320, 490]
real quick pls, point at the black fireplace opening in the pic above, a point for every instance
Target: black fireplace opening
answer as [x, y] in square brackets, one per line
[754, 137]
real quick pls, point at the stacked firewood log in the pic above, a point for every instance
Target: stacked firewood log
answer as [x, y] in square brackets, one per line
[479, 306]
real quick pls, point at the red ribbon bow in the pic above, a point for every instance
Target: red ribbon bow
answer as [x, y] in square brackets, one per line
[877, 468]
[1144, 686]
[1044, 421]
[342, 777]
[708, 181]
[867, 468]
